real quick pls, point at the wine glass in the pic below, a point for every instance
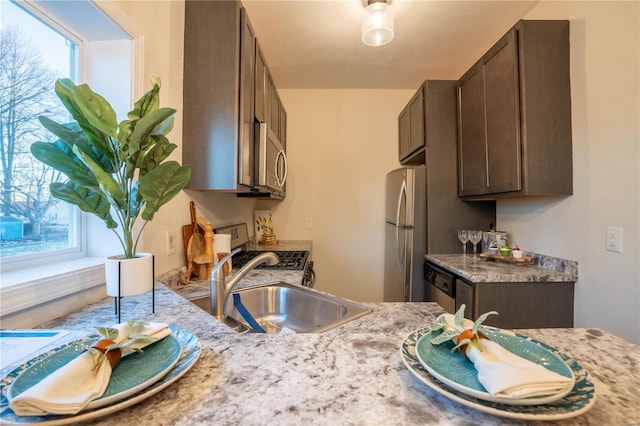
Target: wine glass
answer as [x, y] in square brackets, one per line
[463, 236]
[475, 237]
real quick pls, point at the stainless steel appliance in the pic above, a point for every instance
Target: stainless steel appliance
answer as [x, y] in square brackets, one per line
[440, 287]
[405, 234]
[297, 260]
[423, 214]
[271, 165]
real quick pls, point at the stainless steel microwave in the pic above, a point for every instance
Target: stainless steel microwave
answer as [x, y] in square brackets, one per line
[271, 164]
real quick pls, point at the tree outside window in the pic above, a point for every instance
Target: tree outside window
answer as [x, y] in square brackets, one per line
[32, 57]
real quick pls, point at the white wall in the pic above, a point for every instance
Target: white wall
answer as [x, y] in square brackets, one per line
[605, 118]
[340, 144]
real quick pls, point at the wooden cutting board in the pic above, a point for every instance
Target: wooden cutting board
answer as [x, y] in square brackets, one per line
[188, 230]
[194, 248]
[525, 260]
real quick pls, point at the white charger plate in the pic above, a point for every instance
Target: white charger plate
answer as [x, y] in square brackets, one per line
[189, 343]
[454, 370]
[578, 401]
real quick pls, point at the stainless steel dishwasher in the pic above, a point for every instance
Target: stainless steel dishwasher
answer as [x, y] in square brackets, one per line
[440, 287]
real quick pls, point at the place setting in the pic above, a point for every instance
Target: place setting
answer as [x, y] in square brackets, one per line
[98, 374]
[497, 371]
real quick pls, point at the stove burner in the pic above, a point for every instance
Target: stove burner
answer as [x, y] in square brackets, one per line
[291, 260]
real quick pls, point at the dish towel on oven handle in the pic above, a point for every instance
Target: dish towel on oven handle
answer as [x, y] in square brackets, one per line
[72, 387]
[507, 375]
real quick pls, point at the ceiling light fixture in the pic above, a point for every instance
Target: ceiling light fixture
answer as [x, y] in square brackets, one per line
[377, 23]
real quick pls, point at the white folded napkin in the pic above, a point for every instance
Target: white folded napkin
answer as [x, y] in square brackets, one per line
[72, 387]
[507, 375]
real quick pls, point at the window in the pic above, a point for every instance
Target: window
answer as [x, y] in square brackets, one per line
[34, 54]
[103, 48]
[94, 43]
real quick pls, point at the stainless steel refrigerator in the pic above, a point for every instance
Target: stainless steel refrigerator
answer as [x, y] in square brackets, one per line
[405, 235]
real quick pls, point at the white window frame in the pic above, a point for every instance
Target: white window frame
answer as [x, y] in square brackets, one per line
[70, 274]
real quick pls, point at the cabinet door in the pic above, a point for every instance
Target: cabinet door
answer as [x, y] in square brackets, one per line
[464, 296]
[211, 93]
[404, 132]
[411, 127]
[275, 110]
[269, 90]
[471, 134]
[416, 109]
[260, 86]
[283, 126]
[502, 112]
[247, 86]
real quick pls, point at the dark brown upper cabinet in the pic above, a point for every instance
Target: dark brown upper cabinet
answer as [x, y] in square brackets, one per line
[261, 96]
[218, 111]
[411, 130]
[227, 88]
[268, 106]
[283, 126]
[514, 116]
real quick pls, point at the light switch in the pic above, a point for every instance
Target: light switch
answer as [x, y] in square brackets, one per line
[171, 242]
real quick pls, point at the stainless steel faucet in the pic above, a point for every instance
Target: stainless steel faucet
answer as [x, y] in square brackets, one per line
[220, 289]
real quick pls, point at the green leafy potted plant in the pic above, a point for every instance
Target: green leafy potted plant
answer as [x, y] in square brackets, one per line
[116, 171]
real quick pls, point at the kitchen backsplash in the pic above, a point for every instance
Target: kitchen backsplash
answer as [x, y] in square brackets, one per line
[556, 264]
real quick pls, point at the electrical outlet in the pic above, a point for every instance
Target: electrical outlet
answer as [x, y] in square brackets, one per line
[171, 242]
[308, 223]
[614, 239]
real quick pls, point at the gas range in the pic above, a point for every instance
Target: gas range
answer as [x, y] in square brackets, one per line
[289, 260]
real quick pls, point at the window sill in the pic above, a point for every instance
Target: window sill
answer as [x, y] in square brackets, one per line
[26, 288]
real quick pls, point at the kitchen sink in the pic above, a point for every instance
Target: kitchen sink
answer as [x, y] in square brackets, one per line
[277, 306]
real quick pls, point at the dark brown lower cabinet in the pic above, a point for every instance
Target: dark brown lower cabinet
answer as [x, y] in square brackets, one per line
[519, 305]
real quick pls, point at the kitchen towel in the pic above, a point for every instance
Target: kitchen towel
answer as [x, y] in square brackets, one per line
[507, 375]
[72, 387]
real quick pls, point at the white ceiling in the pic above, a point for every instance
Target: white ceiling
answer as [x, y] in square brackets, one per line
[315, 44]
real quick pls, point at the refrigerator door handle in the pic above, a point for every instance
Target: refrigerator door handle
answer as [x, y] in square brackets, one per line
[401, 249]
[401, 253]
[398, 255]
[402, 198]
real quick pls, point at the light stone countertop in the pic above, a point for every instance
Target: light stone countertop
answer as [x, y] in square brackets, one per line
[476, 269]
[351, 375]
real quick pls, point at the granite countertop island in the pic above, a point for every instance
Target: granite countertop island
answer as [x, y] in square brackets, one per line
[351, 375]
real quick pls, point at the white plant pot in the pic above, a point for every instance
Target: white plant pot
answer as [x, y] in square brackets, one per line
[136, 275]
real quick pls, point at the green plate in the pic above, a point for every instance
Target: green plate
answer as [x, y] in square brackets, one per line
[190, 354]
[454, 370]
[134, 372]
[578, 401]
